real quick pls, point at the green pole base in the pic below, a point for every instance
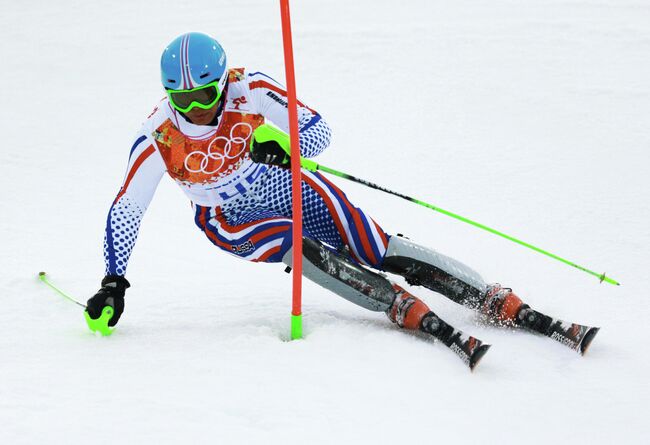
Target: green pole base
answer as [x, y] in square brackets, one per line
[101, 324]
[296, 327]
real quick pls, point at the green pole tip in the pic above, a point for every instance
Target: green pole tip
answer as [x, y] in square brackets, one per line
[101, 324]
[606, 279]
[296, 327]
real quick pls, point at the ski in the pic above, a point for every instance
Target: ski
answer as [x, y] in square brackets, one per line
[573, 335]
[470, 349]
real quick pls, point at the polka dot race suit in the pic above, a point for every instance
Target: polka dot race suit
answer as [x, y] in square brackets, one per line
[243, 207]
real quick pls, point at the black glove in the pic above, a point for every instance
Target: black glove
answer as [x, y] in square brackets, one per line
[110, 294]
[269, 152]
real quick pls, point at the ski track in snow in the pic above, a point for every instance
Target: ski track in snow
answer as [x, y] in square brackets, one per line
[532, 117]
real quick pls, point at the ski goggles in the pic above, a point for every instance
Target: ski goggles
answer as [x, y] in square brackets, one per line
[203, 97]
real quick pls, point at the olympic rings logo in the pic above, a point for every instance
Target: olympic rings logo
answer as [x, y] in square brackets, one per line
[232, 149]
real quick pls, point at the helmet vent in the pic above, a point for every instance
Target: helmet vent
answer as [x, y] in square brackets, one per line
[171, 81]
[203, 76]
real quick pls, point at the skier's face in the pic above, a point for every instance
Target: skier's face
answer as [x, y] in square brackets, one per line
[199, 116]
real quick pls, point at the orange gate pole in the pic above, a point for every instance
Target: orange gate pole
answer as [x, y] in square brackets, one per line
[296, 309]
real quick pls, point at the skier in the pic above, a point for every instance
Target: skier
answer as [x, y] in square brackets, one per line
[210, 134]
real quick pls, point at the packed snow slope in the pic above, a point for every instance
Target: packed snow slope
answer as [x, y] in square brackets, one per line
[529, 116]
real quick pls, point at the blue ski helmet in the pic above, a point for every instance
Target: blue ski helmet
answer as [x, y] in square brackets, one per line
[192, 60]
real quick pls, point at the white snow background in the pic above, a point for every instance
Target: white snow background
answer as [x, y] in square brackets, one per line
[529, 116]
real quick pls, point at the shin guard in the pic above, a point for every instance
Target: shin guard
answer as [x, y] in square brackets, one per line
[426, 267]
[336, 273]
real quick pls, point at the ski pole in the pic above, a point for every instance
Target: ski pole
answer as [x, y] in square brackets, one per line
[97, 325]
[314, 166]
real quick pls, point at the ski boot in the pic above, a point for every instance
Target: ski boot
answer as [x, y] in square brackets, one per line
[504, 307]
[409, 312]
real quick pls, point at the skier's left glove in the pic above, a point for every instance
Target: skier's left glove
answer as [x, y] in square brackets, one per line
[270, 146]
[110, 294]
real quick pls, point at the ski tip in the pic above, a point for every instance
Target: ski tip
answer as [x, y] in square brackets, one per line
[477, 356]
[586, 341]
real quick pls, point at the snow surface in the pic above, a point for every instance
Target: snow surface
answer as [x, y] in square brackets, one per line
[530, 116]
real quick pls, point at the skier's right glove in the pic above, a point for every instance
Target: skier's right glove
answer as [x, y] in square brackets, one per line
[270, 146]
[110, 294]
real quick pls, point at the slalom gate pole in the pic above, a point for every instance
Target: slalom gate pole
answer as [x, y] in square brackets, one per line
[296, 195]
[310, 165]
[96, 325]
